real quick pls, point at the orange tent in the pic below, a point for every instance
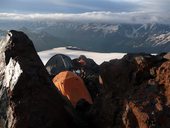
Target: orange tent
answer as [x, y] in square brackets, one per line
[72, 86]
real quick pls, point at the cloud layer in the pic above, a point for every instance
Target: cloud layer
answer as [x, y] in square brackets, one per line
[109, 17]
[115, 11]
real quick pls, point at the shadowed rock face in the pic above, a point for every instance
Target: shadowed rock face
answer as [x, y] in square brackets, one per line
[28, 99]
[137, 93]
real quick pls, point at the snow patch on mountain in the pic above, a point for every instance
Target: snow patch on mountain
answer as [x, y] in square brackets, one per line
[105, 28]
[160, 39]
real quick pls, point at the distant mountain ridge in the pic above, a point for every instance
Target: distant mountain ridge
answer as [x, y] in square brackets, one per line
[101, 37]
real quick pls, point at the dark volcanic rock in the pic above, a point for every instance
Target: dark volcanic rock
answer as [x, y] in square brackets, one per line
[137, 93]
[28, 98]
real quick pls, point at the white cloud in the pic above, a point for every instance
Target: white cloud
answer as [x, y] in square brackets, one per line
[123, 17]
[98, 57]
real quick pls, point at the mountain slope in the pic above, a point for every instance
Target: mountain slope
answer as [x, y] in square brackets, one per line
[102, 37]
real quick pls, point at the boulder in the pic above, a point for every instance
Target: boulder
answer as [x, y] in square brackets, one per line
[167, 56]
[137, 93]
[28, 98]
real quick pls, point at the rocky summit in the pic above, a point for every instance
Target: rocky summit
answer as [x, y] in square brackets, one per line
[135, 91]
[28, 98]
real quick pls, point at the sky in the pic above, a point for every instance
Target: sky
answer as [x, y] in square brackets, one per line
[108, 10]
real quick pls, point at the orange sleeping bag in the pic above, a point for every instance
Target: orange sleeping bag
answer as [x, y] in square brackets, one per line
[72, 86]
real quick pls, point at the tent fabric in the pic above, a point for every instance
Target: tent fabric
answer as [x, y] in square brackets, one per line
[58, 63]
[72, 86]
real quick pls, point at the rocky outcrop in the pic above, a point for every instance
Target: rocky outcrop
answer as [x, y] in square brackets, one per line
[167, 56]
[28, 99]
[136, 95]
[136, 92]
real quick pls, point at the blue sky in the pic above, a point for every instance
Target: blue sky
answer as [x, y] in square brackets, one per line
[149, 10]
[65, 6]
[80, 6]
